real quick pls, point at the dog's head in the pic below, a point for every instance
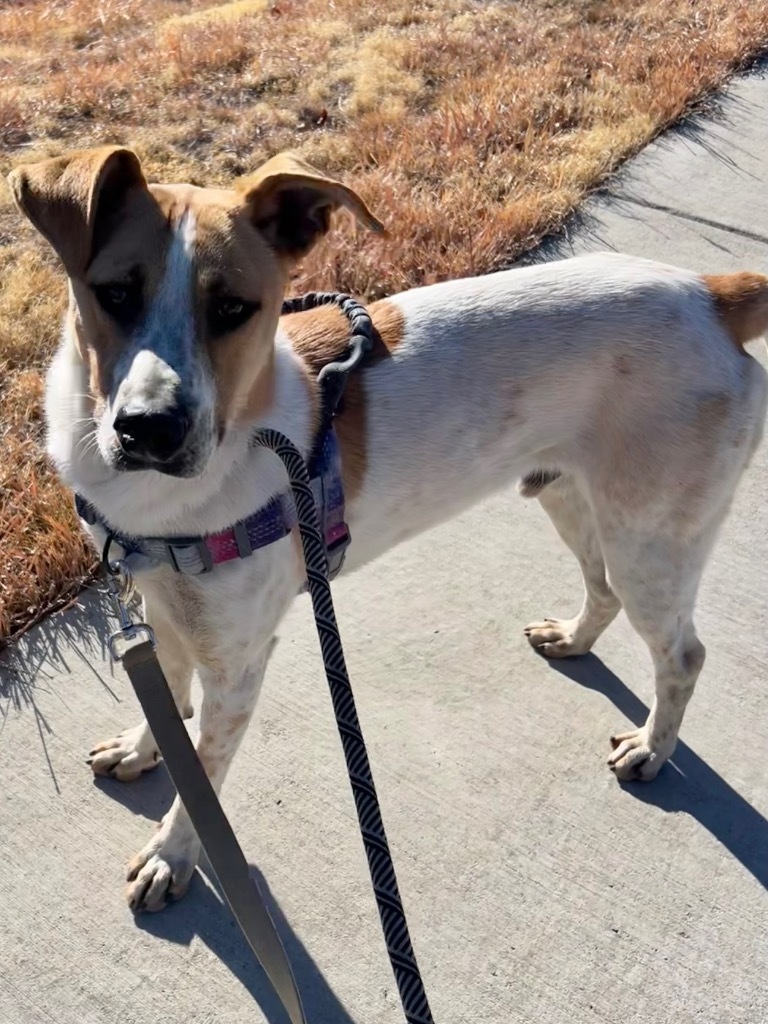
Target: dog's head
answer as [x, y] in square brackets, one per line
[176, 291]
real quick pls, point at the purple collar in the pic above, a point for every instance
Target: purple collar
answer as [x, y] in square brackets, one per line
[275, 520]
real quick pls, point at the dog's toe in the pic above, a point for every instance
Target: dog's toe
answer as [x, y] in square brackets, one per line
[126, 756]
[155, 878]
[633, 759]
[555, 638]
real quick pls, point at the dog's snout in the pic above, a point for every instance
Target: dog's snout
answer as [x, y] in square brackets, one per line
[151, 437]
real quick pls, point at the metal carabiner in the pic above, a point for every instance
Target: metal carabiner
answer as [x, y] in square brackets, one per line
[120, 589]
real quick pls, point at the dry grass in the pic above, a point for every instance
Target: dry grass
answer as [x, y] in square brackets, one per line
[472, 128]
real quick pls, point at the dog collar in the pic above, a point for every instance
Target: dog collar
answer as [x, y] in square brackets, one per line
[194, 556]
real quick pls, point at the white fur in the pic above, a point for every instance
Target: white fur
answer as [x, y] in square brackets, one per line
[612, 370]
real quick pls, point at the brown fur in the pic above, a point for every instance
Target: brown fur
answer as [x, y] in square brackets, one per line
[741, 301]
[321, 335]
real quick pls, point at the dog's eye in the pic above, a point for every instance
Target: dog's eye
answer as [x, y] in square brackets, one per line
[227, 314]
[120, 299]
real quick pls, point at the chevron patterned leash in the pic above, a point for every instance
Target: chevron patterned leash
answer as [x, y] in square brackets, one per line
[382, 869]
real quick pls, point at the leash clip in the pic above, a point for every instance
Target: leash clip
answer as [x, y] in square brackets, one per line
[120, 589]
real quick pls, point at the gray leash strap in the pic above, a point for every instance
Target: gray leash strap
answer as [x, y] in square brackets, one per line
[382, 870]
[213, 829]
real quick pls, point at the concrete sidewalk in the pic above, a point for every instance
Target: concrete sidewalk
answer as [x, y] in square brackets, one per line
[538, 890]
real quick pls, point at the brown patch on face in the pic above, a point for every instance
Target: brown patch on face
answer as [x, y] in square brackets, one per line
[741, 301]
[234, 262]
[133, 240]
[321, 335]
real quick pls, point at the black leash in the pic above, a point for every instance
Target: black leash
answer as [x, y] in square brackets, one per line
[382, 869]
[333, 379]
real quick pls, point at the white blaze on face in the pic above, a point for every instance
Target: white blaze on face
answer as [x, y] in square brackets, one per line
[160, 366]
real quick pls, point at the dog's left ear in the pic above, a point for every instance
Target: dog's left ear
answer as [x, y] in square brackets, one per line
[290, 202]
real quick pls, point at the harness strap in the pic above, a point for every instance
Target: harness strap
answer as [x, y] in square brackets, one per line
[210, 822]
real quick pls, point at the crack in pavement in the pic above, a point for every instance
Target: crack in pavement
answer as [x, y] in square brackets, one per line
[753, 235]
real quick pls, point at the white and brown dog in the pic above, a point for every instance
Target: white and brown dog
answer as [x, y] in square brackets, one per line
[616, 388]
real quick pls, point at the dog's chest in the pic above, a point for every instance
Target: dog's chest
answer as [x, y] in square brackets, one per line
[225, 616]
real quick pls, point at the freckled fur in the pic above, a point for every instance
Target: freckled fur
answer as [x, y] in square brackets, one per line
[611, 385]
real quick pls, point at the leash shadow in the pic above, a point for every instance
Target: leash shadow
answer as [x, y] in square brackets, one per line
[204, 914]
[686, 783]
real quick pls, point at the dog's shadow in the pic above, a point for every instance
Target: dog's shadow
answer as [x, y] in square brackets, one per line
[686, 783]
[204, 914]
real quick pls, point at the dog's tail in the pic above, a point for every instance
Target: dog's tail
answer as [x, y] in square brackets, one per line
[741, 302]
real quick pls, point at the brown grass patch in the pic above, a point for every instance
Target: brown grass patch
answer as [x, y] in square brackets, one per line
[471, 128]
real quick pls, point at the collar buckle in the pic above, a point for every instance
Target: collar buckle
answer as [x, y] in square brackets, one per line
[178, 554]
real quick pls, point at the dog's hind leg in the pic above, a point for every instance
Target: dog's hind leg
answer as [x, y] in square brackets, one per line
[134, 751]
[573, 519]
[657, 579]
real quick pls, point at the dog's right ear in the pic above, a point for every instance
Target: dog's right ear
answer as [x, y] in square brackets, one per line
[291, 203]
[65, 197]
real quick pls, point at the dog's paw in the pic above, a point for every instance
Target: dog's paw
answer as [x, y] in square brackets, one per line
[556, 638]
[126, 756]
[161, 872]
[634, 757]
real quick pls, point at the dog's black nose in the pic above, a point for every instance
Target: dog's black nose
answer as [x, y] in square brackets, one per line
[151, 437]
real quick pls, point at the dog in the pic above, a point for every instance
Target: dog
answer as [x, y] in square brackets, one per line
[616, 389]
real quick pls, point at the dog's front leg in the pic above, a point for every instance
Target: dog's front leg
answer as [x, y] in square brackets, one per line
[163, 869]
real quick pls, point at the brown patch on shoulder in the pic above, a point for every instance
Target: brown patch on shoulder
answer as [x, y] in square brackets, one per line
[741, 301]
[321, 335]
